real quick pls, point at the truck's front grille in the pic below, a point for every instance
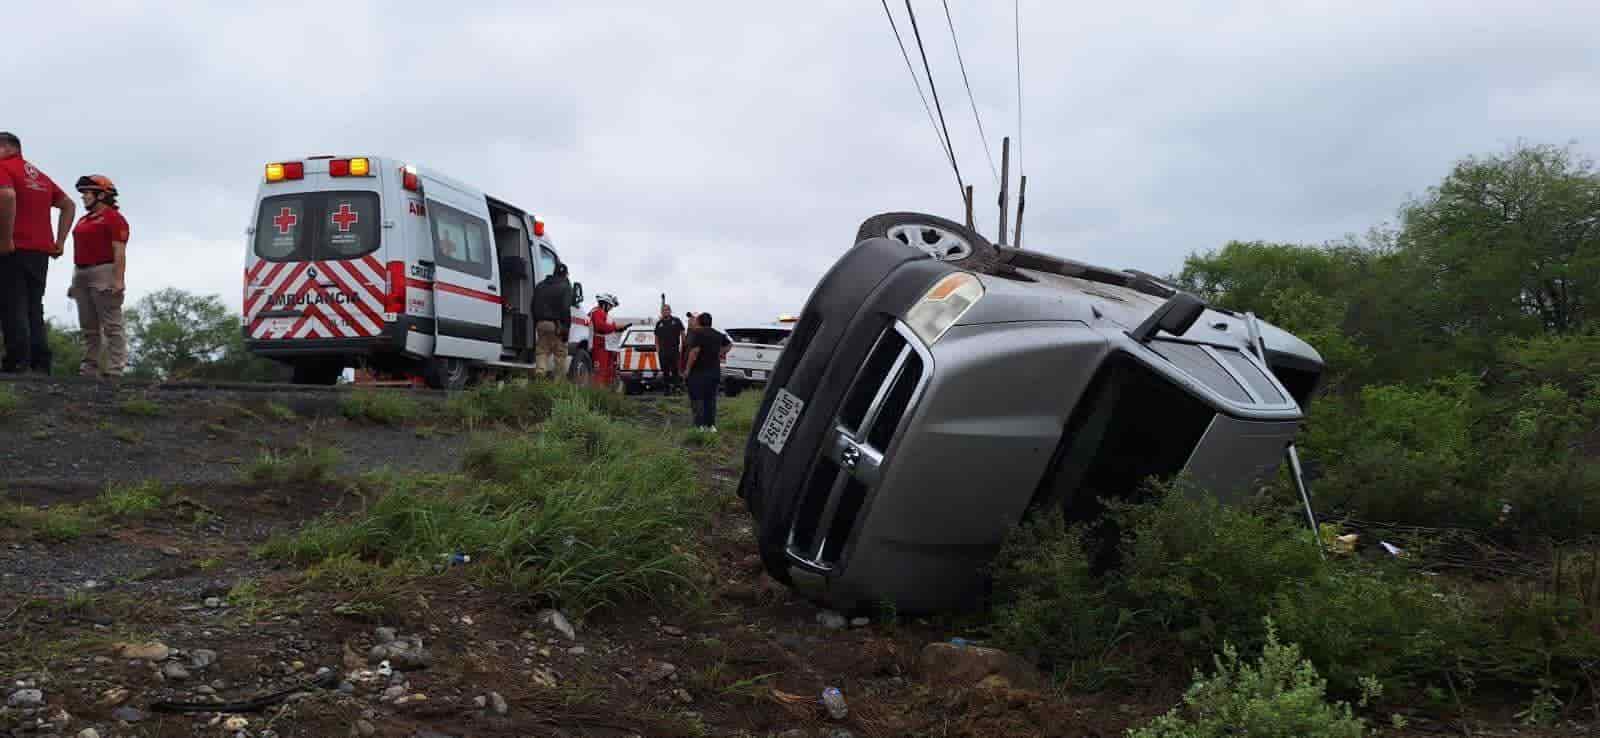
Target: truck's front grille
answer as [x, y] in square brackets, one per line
[850, 463]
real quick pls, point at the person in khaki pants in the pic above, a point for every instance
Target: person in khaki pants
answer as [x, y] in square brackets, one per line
[100, 254]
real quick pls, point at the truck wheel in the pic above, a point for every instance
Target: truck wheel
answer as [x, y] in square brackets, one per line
[945, 240]
[732, 389]
[316, 372]
[447, 374]
[632, 387]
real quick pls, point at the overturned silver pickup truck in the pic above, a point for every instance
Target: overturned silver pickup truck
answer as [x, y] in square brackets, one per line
[937, 387]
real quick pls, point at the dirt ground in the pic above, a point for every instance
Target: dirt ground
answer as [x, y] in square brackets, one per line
[99, 625]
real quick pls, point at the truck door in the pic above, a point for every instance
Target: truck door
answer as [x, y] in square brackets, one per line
[466, 291]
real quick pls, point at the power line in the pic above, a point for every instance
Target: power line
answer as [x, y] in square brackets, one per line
[916, 81]
[936, 106]
[1016, 14]
[970, 98]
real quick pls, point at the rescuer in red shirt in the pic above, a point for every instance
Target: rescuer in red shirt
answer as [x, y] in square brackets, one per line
[100, 258]
[600, 326]
[26, 247]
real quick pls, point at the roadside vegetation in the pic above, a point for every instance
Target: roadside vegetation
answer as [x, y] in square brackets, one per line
[1459, 423]
[585, 512]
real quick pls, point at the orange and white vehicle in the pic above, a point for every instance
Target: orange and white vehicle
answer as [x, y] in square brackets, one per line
[395, 269]
[638, 365]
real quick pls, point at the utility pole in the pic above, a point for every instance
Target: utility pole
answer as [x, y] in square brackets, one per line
[1022, 202]
[969, 206]
[1005, 181]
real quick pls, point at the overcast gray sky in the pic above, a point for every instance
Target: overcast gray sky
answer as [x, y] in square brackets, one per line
[724, 152]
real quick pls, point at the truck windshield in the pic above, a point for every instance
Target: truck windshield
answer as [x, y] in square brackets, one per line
[317, 226]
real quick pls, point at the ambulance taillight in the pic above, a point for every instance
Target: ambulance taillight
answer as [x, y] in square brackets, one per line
[281, 171]
[395, 300]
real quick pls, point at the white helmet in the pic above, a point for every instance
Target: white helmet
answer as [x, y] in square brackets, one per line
[606, 298]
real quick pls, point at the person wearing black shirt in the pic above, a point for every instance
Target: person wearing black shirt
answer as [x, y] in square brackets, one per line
[669, 336]
[707, 349]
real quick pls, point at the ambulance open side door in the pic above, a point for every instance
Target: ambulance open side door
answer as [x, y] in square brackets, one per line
[466, 291]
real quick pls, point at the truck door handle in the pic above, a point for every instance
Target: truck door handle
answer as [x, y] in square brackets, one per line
[493, 288]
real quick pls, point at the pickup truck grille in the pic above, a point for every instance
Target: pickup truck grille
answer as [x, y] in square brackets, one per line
[850, 463]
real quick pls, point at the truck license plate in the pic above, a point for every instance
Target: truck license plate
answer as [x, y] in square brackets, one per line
[780, 421]
[757, 374]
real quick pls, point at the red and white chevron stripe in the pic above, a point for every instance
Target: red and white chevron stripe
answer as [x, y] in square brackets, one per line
[348, 298]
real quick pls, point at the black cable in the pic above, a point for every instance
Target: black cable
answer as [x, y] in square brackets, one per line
[970, 98]
[936, 106]
[943, 144]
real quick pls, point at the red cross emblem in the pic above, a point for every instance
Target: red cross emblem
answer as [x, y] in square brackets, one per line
[345, 217]
[285, 220]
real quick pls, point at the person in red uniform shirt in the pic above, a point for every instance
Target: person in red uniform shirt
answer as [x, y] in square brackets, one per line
[100, 258]
[600, 326]
[26, 248]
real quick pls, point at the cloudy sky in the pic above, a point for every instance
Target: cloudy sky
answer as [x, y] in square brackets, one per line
[724, 152]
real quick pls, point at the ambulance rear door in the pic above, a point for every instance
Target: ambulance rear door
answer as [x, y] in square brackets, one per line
[314, 275]
[466, 285]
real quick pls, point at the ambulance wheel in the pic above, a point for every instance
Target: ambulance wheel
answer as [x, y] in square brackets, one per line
[945, 240]
[631, 387]
[316, 372]
[447, 374]
[582, 368]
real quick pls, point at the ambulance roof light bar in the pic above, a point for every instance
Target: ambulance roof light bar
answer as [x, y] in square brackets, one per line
[353, 167]
[409, 179]
[288, 170]
[538, 226]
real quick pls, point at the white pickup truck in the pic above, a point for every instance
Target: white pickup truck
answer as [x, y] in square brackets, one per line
[753, 355]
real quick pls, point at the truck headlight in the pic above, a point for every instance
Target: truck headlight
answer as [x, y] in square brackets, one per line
[943, 305]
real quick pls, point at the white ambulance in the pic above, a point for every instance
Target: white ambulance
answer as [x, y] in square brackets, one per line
[393, 269]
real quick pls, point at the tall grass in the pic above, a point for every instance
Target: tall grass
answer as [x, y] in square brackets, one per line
[523, 402]
[383, 407]
[584, 513]
[9, 401]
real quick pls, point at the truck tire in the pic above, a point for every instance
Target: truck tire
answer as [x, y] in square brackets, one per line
[446, 373]
[732, 389]
[632, 387]
[942, 239]
[316, 372]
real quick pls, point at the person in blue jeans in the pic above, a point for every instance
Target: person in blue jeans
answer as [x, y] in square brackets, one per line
[707, 350]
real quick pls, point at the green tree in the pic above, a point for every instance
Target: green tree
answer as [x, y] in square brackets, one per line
[173, 332]
[1511, 243]
[66, 350]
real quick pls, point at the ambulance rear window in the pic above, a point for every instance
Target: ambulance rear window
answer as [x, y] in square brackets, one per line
[317, 226]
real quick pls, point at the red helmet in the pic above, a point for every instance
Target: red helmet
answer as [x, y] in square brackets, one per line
[96, 183]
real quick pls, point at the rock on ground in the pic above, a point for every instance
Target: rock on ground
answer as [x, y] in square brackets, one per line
[948, 663]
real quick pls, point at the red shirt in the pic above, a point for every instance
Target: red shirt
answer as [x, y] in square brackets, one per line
[92, 237]
[35, 194]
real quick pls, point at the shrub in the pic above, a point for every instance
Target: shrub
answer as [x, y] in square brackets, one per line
[1204, 571]
[1280, 696]
[9, 401]
[378, 406]
[1051, 609]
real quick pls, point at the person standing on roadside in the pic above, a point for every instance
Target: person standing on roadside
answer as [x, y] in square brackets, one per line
[552, 316]
[600, 326]
[669, 341]
[26, 247]
[99, 277]
[707, 350]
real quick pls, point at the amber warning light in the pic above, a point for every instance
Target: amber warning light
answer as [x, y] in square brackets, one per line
[286, 170]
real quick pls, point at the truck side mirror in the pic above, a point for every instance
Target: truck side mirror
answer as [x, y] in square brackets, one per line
[577, 294]
[1175, 316]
